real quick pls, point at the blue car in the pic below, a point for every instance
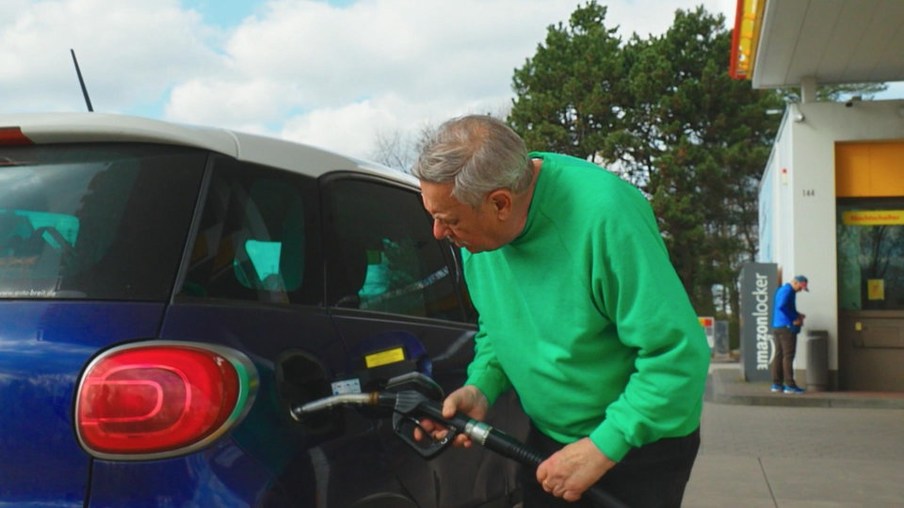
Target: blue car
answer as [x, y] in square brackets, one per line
[168, 294]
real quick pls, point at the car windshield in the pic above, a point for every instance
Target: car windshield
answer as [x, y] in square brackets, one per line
[99, 221]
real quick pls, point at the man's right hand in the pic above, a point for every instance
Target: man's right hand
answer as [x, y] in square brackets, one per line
[468, 400]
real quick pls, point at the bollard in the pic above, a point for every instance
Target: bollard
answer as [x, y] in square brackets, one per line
[817, 360]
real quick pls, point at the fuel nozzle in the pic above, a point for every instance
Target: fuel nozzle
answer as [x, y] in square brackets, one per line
[383, 399]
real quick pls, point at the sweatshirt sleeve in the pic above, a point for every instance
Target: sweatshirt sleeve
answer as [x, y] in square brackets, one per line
[484, 372]
[635, 285]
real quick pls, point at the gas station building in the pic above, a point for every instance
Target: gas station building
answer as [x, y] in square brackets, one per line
[831, 199]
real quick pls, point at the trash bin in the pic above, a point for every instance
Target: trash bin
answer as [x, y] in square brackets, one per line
[817, 360]
[721, 338]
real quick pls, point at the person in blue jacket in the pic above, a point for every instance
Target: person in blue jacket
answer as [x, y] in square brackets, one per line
[786, 324]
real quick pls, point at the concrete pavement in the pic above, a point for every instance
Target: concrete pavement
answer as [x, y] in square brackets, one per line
[726, 386]
[827, 449]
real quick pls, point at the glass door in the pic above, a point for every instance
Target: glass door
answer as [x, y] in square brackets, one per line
[870, 235]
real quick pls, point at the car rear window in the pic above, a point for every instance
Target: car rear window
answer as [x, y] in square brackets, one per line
[98, 221]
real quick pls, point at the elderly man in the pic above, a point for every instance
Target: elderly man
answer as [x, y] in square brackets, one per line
[581, 313]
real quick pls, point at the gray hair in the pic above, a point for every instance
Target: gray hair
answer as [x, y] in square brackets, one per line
[479, 154]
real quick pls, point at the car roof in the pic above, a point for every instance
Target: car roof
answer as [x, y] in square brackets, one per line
[45, 128]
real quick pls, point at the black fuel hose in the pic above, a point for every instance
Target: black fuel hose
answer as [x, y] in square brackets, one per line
[499, 442]
[411, 402]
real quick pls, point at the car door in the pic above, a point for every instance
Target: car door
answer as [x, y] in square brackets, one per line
[391, 286]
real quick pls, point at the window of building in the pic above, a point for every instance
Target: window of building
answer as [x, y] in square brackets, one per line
[870, 238]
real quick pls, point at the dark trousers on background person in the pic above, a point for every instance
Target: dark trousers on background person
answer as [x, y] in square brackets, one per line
[783, 361]
[652, 476]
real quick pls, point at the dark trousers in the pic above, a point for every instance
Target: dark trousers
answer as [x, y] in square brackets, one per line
[783, 361]
[652, 476]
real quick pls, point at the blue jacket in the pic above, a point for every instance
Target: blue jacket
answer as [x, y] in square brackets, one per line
[785, 311]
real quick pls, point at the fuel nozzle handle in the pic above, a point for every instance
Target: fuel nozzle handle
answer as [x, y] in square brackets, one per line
[484, 434]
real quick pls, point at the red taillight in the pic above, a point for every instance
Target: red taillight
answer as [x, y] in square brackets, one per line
[13, 136]
[161, 398]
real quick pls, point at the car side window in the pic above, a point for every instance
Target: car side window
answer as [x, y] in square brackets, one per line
[257, 238]
[382, 256]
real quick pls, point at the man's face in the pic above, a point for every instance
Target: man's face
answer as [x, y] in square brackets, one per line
[475, 229]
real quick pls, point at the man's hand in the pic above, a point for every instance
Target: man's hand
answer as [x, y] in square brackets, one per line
[468, 400]
[573, 469]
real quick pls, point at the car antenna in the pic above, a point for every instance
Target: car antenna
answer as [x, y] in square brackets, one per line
[81, 81]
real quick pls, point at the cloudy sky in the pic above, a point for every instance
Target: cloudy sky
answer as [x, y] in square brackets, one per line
[332, 73]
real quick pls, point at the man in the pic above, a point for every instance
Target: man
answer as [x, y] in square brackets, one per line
[786, 324]
[581, 313]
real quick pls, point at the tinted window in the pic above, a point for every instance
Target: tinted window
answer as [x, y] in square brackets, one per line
[88, 221]
[383, 256]
[257, 239]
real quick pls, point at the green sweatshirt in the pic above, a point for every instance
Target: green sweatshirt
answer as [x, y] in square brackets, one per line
[584, 315]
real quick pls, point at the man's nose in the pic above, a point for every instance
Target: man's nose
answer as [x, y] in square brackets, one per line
[439, 230]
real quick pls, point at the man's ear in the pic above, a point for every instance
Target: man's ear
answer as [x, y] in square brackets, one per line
[501, 199]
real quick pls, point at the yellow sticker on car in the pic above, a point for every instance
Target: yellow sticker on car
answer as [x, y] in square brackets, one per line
[384, 357]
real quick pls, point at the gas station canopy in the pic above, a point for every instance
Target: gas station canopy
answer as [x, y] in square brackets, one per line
[781, 43]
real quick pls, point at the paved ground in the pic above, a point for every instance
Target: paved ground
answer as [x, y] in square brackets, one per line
[793, 451]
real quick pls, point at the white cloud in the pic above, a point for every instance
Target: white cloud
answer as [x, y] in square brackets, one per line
[354, 128]
[350, 128]
[307, 70]
[130, 51]
[246, 104]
